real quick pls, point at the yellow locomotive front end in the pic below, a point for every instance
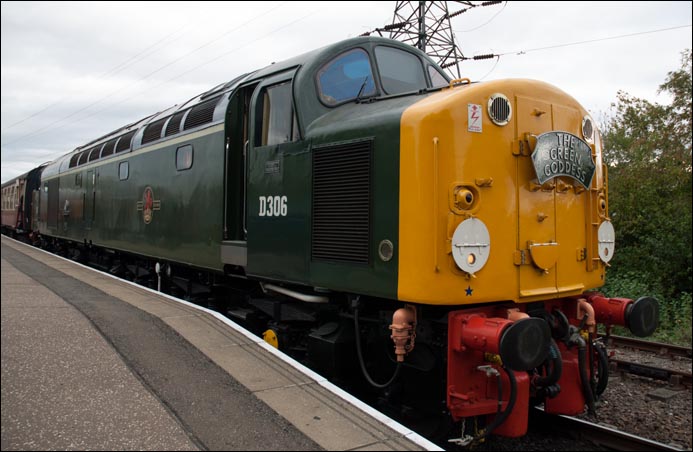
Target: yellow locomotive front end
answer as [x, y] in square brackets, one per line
[504, 219]
[503, 196]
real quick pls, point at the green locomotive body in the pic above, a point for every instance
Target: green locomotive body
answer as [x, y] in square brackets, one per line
[219, 214]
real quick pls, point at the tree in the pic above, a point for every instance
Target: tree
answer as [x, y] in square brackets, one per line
[648, 149]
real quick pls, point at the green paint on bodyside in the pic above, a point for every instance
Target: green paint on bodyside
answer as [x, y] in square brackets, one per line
[280, 247]
[381, 122]
[187, 226]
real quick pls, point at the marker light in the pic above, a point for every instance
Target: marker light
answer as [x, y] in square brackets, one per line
[471, 245]
[606, 237]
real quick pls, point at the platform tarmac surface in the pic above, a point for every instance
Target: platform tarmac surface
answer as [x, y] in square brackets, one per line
[91, 362]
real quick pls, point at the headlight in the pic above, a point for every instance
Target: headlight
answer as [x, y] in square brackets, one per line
[606, 236]
[471, 245]
[588, 129]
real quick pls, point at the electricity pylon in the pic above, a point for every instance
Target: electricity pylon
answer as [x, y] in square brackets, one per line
[426, 25]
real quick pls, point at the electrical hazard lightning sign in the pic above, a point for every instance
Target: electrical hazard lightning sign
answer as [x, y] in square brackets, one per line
[474, 118]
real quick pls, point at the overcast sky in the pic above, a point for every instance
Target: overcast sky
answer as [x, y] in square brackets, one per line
[72, 72]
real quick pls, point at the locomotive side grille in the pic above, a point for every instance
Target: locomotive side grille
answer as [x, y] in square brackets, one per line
[125, 141]
[201, 114]
[93, 154]
[109, 147]
[73, 160]
[173, 126]
[341, 226]
[153, 131]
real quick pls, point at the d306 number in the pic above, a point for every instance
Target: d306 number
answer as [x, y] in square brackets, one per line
[273, 206]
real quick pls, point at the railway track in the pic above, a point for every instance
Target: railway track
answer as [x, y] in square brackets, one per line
[607, 437]
[661, 372]
[675, 377]
[654, 347]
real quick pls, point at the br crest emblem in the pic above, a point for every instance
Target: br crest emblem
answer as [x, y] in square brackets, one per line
[148, 205]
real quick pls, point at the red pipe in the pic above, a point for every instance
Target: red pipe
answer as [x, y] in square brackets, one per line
[609, 311]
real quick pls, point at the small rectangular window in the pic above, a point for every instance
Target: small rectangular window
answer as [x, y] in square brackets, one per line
[78, 180]
[184, 157]
[123, 170]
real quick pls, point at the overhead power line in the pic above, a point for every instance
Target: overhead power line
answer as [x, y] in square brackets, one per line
[426, 25]
[556, 46]
[194, 68]
[114, 70]
[142, 79]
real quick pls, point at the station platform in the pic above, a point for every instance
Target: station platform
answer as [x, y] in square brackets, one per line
[93, 362]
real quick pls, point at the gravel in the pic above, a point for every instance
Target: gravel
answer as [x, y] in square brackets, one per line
[630, 403]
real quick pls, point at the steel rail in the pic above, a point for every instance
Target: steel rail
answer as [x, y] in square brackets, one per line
[605, 436]
[658, 373]
[655, 347]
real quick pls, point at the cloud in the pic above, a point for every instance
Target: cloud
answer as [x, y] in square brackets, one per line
[74, 71]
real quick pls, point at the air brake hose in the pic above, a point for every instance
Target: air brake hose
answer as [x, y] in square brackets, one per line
[584, 379]
[554, 374]
[602, 368]
[361, 362]
[502, 417]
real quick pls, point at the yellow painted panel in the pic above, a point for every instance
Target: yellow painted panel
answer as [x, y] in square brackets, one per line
[437, 155]
[442, 154]
[573, 209]
[536, 212]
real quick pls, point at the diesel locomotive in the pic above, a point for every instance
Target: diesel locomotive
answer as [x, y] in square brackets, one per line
[433, 243]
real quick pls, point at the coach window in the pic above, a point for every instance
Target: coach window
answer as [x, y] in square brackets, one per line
[123, 170]
[400, 71]
[277, 122]
[184, 157]
[346, 78]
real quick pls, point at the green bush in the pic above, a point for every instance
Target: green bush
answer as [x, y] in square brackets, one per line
[648, 148]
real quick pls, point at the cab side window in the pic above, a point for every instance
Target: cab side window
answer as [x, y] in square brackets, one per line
[276, 121]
